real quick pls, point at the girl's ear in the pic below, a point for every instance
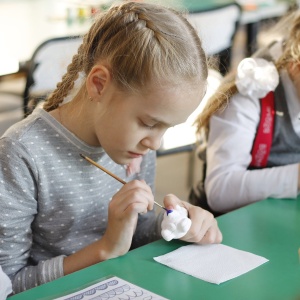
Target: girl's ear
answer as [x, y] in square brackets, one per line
[97, 81]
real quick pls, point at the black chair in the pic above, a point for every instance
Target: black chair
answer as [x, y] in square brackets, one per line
[46, 67]
[217, 28]
[11, 109]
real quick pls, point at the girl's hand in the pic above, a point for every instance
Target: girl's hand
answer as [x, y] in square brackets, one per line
[204, 228]
[134, 198]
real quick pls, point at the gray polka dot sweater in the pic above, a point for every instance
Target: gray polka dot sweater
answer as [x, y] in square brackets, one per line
[53, 202]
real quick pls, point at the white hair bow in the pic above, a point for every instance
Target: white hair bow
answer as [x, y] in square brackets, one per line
[256, 77]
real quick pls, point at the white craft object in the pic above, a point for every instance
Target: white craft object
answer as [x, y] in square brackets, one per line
[175, 224]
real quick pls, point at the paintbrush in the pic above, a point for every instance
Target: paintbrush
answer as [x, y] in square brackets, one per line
[116, 177]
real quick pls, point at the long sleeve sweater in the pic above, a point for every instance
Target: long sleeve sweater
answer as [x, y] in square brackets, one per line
[53, 202]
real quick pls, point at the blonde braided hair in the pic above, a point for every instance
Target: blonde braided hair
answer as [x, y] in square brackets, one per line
[140, 43]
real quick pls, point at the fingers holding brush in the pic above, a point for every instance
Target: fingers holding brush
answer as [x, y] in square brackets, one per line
[134, 198]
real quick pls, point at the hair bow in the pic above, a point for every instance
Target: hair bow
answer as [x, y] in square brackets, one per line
[256, 77]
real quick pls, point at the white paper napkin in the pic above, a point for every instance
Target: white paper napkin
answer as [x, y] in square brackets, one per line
[213, 263]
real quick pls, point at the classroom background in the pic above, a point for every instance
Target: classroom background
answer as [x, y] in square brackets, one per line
[36, 32]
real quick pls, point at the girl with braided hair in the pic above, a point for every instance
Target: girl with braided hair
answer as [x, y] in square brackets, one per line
[139, 70]
[253, 128]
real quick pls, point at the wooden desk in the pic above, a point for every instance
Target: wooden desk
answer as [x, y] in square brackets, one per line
[270, 228]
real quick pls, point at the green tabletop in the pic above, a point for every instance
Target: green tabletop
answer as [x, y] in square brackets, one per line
[270, 228]
[200, 5]
[190, 5]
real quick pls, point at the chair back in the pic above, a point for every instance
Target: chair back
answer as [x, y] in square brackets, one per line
[217, 28]
[47, 66]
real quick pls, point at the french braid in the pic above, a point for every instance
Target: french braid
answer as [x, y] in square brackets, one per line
[141, 43]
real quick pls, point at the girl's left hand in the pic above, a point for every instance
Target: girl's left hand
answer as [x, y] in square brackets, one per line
[204, 228]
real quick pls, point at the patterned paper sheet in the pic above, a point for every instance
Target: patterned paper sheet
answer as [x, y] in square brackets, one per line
[113, 288]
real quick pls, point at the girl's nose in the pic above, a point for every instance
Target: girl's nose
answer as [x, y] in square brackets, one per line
[152, 142]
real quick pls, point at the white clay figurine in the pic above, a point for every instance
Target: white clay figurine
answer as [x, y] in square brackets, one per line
[175, 224]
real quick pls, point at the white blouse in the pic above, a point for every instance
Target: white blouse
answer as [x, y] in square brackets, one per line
[230, 142]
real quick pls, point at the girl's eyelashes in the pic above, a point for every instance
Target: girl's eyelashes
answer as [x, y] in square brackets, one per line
[147, 125]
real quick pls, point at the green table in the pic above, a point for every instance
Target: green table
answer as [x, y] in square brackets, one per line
[270, 228]
[202, 5]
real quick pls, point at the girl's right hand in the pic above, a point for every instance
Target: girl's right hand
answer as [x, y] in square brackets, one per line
[134, 198]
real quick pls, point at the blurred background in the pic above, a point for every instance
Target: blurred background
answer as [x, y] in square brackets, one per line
[39, 37]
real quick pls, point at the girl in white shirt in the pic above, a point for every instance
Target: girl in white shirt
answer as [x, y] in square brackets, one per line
[231, 118]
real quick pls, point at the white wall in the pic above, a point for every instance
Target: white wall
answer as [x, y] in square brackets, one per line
[175, 174]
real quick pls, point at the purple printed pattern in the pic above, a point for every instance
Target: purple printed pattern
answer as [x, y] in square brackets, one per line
[124, 292]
